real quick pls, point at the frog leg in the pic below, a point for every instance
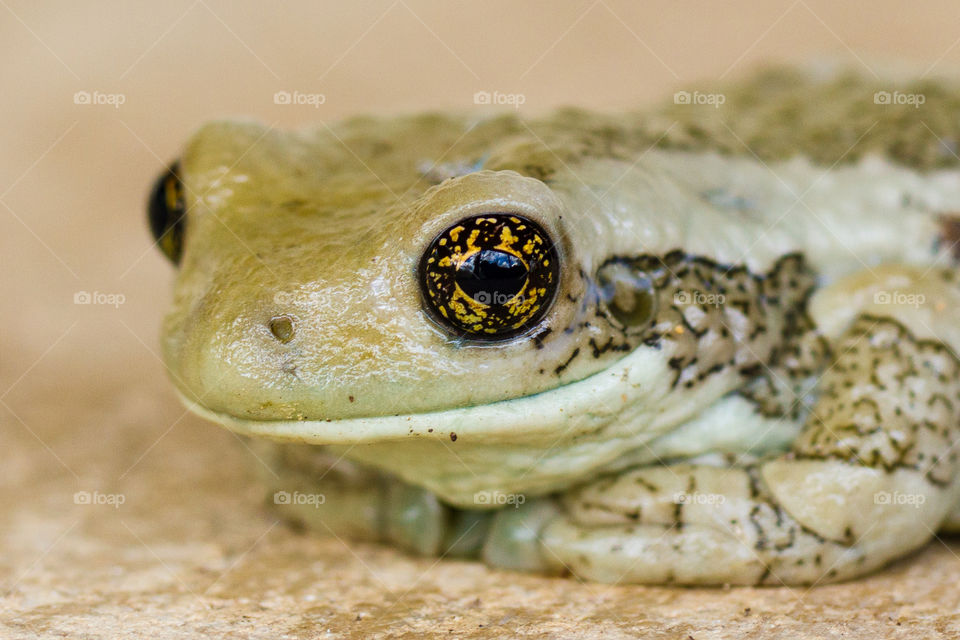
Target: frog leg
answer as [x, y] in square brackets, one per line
[871, 477]
[320, 491]
[951, 524]
[326, 494]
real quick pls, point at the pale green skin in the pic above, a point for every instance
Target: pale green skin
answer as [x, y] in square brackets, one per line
[327, 226]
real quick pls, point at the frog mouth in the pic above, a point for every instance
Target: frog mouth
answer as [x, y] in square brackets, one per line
[580, 407]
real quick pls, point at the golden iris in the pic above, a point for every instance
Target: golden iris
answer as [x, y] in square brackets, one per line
[490, 276]
[166, 211]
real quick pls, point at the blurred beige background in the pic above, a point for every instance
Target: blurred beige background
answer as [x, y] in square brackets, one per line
[84, 403]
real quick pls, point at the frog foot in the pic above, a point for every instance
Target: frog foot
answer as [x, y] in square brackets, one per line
[871, 477]
[315, 489]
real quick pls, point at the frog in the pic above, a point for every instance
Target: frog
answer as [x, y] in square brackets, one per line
[693, 344]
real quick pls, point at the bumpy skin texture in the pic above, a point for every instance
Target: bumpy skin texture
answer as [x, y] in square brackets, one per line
[881, 433]
[747, 373]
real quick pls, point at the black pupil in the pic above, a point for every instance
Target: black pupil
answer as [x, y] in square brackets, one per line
[492, 277]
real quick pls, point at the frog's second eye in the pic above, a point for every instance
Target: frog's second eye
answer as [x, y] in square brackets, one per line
[490, 277]
[166, 211]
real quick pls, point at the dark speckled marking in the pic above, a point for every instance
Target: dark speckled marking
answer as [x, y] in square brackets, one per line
[950, 234]
[905, 409]
[566, 364]
[889, 401]
[717, 317]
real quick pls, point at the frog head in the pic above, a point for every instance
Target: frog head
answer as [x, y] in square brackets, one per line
[317, 284]
[331, 290]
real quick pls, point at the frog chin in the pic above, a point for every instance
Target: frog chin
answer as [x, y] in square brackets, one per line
[633, 393]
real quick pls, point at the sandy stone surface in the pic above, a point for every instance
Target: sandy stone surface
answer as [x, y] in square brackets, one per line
[194, 551]
[121, 516]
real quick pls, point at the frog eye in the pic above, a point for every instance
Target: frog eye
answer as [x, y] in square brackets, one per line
[490, 277]
[166, 209]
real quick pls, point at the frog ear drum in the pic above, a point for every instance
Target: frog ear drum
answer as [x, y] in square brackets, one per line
[166, 210]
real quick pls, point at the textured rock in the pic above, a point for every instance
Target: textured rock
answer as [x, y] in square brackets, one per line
[85, 406]
[193, 549]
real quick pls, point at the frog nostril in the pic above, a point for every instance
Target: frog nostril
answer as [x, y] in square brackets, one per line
[282, 328]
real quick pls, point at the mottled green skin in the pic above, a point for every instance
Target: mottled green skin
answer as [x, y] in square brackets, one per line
[360, 192]
[780, 113]
[298, 316]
